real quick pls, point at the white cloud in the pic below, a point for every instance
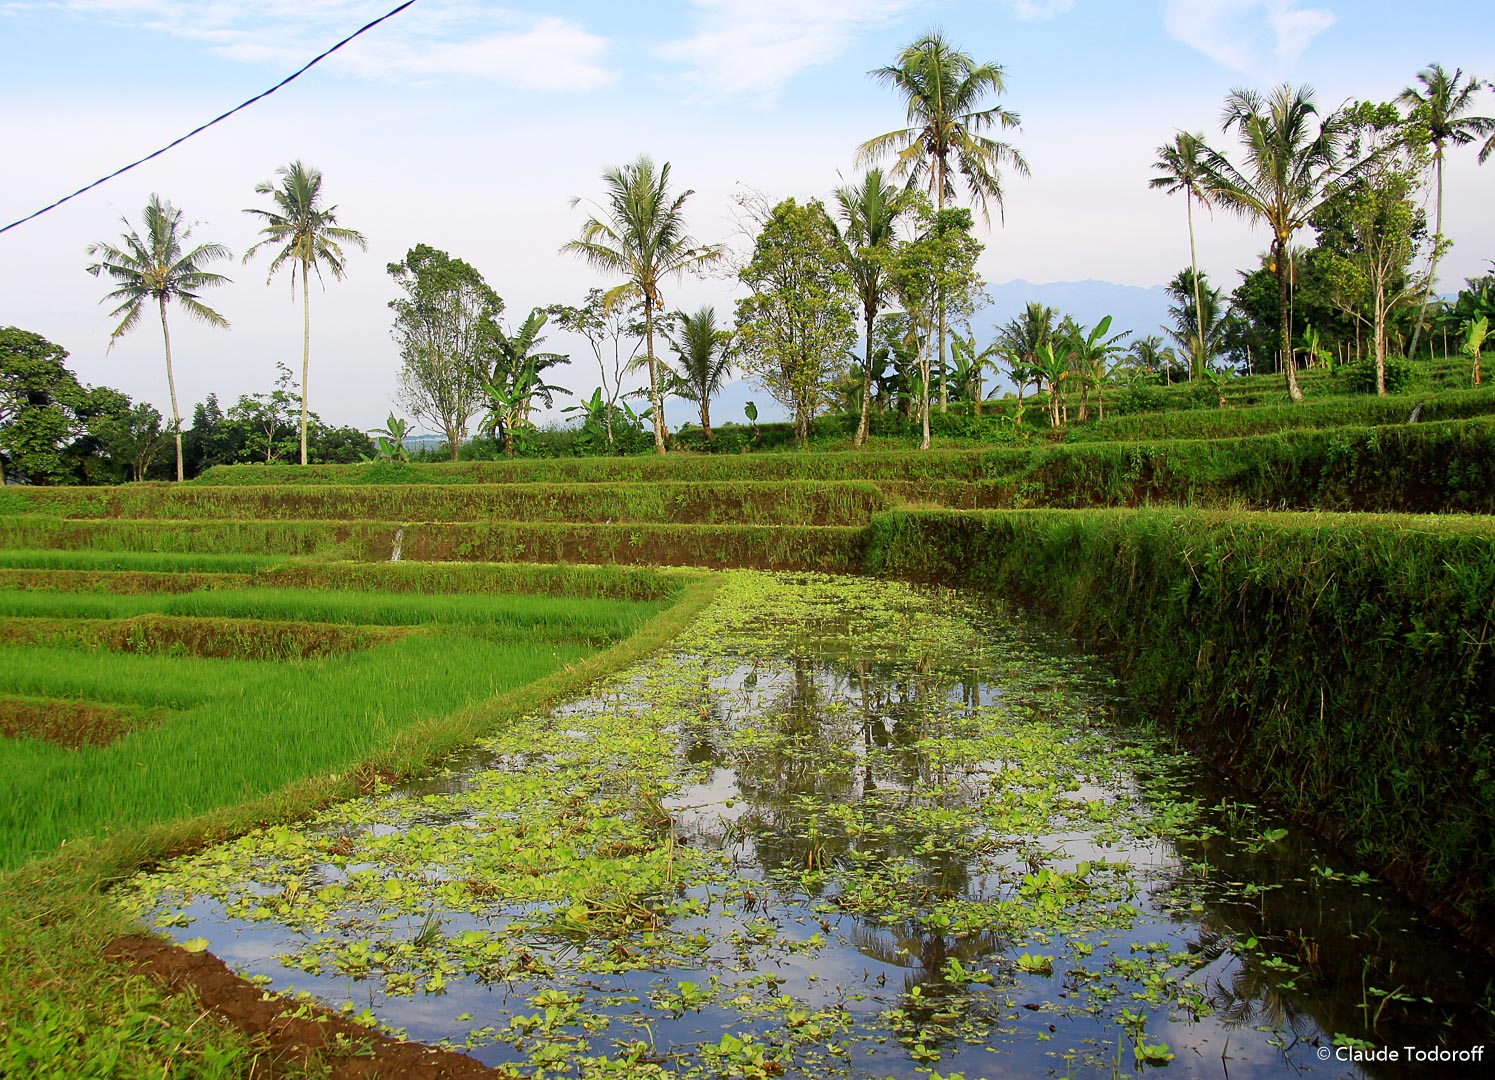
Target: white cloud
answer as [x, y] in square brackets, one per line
[754, 47]
[431, 39]
[1038, 10]
[1259, 37]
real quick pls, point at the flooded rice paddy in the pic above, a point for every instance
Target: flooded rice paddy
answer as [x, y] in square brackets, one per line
[844, 828]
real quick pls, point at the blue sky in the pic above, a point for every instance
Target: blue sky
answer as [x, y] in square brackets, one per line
[469, 125]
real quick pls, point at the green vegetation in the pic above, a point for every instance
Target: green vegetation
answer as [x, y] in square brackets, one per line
[1339, 663]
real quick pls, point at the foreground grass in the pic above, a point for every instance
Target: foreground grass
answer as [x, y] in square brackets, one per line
[63, 1013]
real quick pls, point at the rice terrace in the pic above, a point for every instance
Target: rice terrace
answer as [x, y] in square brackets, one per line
[1017, 693]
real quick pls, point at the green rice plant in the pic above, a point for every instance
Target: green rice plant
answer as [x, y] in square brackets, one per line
[12, 557]
[168, 635]
[246, 730]
[793, 502]
[119, 581]
[195, 538]
[602, 619]
[614, 582]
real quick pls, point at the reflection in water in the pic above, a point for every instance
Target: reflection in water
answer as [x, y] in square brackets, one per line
[849, 829]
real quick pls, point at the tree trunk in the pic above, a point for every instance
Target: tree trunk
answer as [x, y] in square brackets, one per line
[176, 416]
[654, 397]
[924, 395]
[1284, 309]
[1198, 301]
[706, 418]
[305, 352]
[1427, 288]
[865, 423]
[940, 299]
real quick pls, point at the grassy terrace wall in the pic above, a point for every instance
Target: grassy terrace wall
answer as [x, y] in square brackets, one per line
[796, 502]
[1446, 466]
[1343, 666]
[829, 549]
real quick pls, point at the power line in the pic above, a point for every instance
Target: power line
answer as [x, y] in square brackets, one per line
[198, 130]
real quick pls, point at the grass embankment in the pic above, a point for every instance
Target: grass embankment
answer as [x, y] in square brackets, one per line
[795, 502]
[404, 706]
[1340, 665]
[1445, 466]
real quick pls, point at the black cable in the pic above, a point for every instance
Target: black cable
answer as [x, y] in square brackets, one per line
[197, 130]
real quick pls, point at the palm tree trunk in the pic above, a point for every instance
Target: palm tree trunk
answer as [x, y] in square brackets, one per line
[305, 352]
[1285, 310]
[1198, 302]
[653, 373]
[1427, 287]
[176, 416]
[706, 418]
[940, 299]
[924, 393]
[865, 423]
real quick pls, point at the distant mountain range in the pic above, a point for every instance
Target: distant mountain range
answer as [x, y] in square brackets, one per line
[1131, 307]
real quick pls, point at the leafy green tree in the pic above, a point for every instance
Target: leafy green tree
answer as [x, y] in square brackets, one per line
[944, 90]
[270, 419]
[135, 438]
[798, 323]
[1380, 226]
[1181, 168]
[1442, 107]
[156, 267]
[212, 439]
[38, 397]
[446, 327]
[704, 360]
[1291, 161]
[640, 236]
[606, 329]
[869, 212]
[309, 238]
[933, 274]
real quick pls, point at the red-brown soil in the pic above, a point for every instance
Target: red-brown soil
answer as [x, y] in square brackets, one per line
[291, 1032]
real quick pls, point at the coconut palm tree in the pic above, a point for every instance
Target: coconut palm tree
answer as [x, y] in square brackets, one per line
[944, 89]
[641, 237]
[156, 267]
[309, 237]
[701, 347]
[870, 212]
[1291, 164]
[1180, 168]
[1442, 107]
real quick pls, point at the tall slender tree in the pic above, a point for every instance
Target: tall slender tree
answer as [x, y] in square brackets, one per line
[1292, 161]
[1442, 107]
[157, 267]
[869, 213]
[944, 90]
[1180, 167]
[309, 238]
[641, 237]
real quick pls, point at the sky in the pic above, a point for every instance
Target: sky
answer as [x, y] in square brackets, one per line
[470, 126]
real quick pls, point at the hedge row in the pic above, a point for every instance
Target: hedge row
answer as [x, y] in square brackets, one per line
[1343, 666]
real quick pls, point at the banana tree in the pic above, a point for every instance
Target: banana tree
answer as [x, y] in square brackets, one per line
[390, 439]
[1052, 368]
[970, 364]
[508, 408]
[1475, 333]
[1091, 352]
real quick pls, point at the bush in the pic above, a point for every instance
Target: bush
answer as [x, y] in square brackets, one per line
[1361, 377]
